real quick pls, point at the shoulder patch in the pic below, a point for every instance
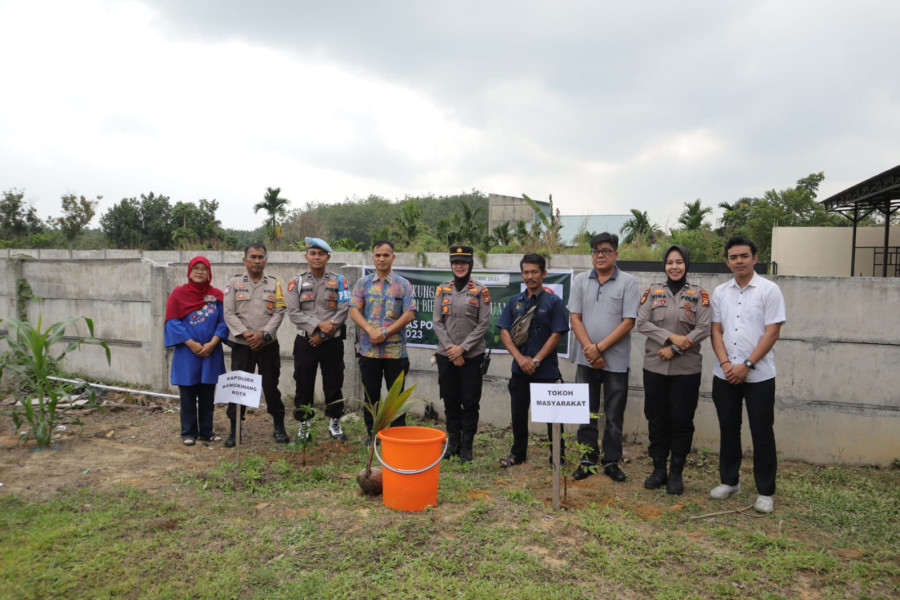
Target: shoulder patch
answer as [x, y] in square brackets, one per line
[644, 297]
[291, 285]
[227, 289]
[705, 298]
[437, 292]
[279, 297]
[486, 295]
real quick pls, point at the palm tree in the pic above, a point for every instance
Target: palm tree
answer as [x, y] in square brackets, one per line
[409, 221]
[502, 234]
[735, 214]
[275, 207]
[639, 228]
[693, 215]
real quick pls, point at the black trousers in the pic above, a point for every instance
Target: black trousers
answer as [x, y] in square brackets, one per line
[519, 404]
[461, 390]
[760, 398]
[372, 371]
[268, 360]
[197, 410]
[329, 356]
[615, 396]
[670, 402]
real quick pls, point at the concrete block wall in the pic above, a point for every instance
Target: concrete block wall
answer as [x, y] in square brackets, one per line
[838, 387]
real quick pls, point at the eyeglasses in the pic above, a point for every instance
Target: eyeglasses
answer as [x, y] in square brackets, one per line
[603, 251]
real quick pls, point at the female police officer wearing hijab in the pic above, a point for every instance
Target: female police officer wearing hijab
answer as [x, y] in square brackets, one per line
[675, 317]
[462, 315]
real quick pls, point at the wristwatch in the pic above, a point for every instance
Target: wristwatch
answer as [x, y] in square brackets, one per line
[536, 362]
[749, 364]
[267, 336]
[384, 331]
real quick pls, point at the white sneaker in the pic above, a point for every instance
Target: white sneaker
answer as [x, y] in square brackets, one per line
[720, 492]
[334, 428]
[305, 432]
[764, 504]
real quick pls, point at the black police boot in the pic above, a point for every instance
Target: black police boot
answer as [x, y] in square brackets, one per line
[658, 477]
[676, 485]
[279, 433]
[465, 448]
[452, 444]
[229, 443]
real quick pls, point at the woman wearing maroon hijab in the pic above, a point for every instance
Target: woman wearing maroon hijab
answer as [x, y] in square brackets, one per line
[195, 324]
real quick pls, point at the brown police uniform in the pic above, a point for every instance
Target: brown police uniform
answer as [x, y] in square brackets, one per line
[661, 314]
[461, 318]
[309, 302]
[671, 387]
[256, 306]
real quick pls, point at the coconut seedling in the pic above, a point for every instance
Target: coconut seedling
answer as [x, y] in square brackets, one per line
[397, 403]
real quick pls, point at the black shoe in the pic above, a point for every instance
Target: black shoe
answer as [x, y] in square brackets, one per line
[675, 485]
[229, 443]
[613, 471]
[656, 480]
[452, 445]
[582, 472]
[465, 449]
[281, 436]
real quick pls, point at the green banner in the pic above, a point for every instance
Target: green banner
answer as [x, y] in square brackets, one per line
[503, 286]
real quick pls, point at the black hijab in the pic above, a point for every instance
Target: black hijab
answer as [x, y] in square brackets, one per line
[677, 285]
[462, 282]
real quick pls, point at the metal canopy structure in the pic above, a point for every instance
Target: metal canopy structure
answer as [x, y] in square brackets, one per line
[880, 193]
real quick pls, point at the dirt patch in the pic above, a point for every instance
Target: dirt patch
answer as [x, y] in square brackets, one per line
[130, 446]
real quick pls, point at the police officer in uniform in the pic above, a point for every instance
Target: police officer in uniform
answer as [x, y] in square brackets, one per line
[254, 307]
[675, 317]
[318, 302]
[462, 315]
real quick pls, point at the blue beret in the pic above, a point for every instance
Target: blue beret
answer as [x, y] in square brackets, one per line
[318, 243]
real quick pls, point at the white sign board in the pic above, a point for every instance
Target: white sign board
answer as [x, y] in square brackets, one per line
[239, 387]
[560, 403]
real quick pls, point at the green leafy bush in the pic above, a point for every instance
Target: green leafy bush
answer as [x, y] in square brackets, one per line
[32, 359]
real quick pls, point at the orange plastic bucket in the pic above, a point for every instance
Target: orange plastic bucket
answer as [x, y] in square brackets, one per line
[411, 457]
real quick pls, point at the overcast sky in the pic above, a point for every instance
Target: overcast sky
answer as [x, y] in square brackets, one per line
[606, 105]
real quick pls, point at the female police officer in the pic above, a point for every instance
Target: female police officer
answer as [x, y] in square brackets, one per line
[675, 317]
[462, 315]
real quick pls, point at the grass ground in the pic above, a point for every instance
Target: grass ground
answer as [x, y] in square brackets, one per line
[279, 528]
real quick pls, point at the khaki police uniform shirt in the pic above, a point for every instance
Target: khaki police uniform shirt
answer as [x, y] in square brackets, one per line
[462, 318]
[253, 306]
[310, 301]
[661, 314]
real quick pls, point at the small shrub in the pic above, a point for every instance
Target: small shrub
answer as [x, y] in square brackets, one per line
[32, 359]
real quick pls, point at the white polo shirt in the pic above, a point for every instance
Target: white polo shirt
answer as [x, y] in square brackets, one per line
[744, 315]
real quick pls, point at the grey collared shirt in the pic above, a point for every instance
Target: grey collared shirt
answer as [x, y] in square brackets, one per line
[602, 307]
[311, 300]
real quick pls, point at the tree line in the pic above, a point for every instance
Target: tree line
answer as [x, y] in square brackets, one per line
[426, 223]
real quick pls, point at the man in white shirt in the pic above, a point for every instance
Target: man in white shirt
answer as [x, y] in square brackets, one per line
[747, 314]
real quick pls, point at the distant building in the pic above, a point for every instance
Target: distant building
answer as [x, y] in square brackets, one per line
[512, 209]
[574, 225]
